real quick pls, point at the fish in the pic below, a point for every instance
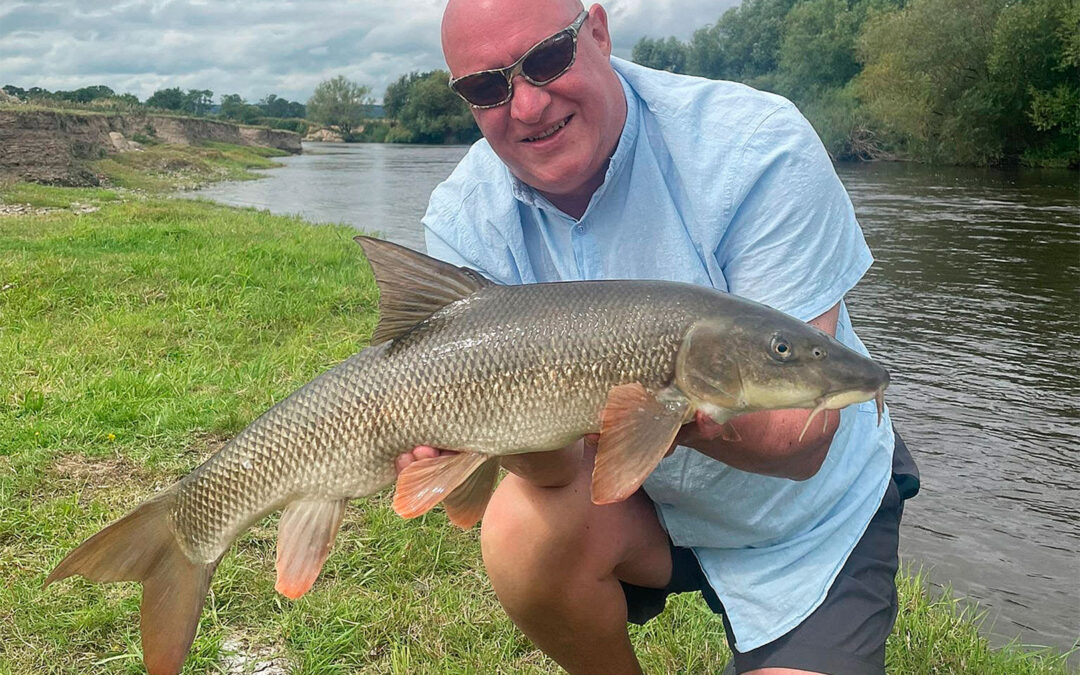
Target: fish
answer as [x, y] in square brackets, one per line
[488, 370]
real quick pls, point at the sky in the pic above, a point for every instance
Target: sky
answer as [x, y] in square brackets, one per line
[258, 47]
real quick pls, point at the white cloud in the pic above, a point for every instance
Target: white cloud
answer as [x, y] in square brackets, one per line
[259, 47]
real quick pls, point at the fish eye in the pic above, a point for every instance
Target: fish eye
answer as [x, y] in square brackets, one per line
[781, 348]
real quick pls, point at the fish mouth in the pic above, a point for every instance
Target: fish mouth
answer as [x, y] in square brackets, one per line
[550, 131]
[841, 399]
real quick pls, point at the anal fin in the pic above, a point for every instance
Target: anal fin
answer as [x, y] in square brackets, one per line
[305, 534]
[426, 482]
[465, 506]
[636, 430]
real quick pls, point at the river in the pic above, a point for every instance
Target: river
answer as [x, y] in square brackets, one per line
[972, 305]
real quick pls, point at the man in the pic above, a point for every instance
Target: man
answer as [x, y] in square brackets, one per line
[592, 167]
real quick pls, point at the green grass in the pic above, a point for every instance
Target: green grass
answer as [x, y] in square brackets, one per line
[48, 196]
[163, 168]
[136, 339]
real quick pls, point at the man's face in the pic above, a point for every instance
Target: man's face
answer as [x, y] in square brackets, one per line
[584, 108]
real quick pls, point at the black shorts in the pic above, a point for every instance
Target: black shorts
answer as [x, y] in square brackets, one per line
[846, 634]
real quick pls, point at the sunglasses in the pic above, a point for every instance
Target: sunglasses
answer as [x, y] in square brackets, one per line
[542, 64]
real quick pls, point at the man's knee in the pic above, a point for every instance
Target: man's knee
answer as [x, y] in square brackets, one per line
[530, 554]
[526, 528]
[541, 537]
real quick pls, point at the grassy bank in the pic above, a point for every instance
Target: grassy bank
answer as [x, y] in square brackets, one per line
[136, 339]
[160, 168]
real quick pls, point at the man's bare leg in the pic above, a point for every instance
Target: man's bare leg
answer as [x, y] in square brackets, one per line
[555, 560]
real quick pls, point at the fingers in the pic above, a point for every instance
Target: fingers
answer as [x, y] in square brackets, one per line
[707, 426]
[419, 452]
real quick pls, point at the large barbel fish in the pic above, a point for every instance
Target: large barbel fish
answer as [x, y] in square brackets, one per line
[458, 362]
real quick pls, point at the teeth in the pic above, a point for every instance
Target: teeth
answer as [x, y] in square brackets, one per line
[547, 133]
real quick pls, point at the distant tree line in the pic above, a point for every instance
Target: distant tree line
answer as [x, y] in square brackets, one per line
[84, 95]
[948, 81]
[417, 108]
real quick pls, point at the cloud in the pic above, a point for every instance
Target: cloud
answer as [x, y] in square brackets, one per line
[263, 46]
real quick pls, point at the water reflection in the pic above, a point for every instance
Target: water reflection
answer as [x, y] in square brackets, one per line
[972, 305]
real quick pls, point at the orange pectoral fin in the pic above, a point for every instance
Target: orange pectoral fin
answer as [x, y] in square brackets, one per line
[425, 483]
[635, 433]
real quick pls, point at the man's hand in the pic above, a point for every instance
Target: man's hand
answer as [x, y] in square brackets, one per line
[554, 468]
[769, 442]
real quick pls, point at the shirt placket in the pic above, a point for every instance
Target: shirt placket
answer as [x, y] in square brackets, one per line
[579, 239]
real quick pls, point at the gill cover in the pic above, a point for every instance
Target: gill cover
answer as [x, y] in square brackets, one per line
[707, 370]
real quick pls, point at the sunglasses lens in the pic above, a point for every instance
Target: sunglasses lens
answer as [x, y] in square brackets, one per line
[483, 88]
[550, 58]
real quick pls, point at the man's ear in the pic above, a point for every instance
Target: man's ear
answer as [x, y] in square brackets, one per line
[598, 28]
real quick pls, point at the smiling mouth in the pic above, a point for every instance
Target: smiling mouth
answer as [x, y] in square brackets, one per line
[548, 132]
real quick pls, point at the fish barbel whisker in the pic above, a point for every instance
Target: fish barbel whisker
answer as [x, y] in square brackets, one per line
[821, 403]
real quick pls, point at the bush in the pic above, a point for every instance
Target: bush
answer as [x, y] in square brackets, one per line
[374, 131]
[291, 124]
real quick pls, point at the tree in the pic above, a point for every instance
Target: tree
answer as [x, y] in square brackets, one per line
[669, 54]
[929, 87]
[233, 107]
[435, 114]
[397, 94]
[705, 56]
[86, 94]
[339, 102]
[1035, 64]
[166, 99]
[272, 106]
[197, 101]
[749, 39]
[128, 100]
[427, 111]
[818, 47]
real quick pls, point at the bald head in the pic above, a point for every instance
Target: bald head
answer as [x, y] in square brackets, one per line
[468, 22]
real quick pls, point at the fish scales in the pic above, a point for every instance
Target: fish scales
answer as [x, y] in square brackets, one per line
[509, 369]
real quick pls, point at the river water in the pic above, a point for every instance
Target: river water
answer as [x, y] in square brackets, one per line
[972, 305]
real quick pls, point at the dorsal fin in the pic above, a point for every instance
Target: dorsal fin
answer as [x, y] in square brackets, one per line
[413, 286]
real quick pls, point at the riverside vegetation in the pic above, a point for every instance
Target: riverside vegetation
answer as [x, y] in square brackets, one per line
[137, 338]
[971, 82]
[980, 82]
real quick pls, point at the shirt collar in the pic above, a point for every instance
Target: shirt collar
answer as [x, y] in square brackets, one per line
[525, 193]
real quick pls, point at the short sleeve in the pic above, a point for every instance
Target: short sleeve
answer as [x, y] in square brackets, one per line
[458, 232]
[792, 240]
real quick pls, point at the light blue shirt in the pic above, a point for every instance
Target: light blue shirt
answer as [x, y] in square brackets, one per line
[717, 184]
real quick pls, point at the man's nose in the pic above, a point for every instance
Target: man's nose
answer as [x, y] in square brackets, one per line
[529, 101]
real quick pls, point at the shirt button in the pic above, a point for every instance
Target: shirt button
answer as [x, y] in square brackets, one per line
[580, 228]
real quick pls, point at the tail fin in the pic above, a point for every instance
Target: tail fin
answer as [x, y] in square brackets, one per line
[142, 547]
